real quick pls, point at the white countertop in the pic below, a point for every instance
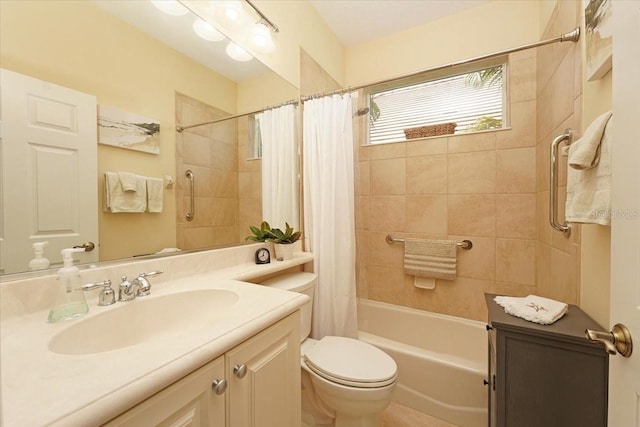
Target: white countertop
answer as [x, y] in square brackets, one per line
[40, 387]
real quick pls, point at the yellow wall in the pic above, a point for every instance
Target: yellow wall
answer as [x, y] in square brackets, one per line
[487, 28]
[263, 91]
[77, 45]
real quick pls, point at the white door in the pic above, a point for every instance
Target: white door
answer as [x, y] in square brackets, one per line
[624, 379]
[48, 147]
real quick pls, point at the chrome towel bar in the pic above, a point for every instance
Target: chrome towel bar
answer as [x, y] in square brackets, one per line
[553, 183]
[465, 244]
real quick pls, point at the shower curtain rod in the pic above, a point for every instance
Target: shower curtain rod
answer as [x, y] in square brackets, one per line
[180, 128]
[573, 36]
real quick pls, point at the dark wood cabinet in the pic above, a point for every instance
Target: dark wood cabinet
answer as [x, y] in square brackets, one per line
[545, 375]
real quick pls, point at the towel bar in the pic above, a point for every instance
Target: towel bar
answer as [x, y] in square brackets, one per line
[553, 182]
[465, 244]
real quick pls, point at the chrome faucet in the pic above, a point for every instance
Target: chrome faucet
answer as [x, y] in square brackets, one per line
[106, 296]
[138, 287]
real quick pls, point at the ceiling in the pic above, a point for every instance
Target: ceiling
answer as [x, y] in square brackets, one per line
[358, 21]
[353, 21]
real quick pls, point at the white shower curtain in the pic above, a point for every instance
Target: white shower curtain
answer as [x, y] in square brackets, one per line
[280, 184]
[329, 212]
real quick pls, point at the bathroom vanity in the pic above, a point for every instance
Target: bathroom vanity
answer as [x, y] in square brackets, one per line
[256, 380]
[206, 348]
[545, 375]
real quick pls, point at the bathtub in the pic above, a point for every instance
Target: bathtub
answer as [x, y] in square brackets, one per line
[442, 360]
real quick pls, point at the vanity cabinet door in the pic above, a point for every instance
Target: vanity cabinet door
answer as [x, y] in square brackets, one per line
[264, 378]
[192, 401]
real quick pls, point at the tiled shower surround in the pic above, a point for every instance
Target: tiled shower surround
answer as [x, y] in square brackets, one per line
[489, 187]
[227, 184]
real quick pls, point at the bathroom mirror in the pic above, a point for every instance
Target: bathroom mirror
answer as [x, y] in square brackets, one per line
[99, 48]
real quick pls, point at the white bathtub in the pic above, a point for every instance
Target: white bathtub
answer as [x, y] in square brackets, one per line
[442, 360]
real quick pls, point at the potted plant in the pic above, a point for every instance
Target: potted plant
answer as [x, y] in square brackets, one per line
[262, 234]
[282, 240]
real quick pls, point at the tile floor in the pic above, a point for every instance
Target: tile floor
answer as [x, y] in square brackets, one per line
[397, 415]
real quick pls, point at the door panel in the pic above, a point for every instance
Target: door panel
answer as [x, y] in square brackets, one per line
[49, 170]
[624, 382]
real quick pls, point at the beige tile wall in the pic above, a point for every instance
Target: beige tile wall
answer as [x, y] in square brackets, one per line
[559, 89]
[491, 188]
[480, 187]
[226, 184]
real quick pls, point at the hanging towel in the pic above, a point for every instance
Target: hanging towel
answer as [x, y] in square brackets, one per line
[589, 190]
[155, 193]
[430, 258]
[533, 308]
[129, 181]
[117, 200]
[585, 152]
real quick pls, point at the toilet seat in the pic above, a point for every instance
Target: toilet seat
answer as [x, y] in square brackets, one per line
[350, 362]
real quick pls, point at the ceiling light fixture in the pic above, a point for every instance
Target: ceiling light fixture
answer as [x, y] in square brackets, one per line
[170, 7]
[238, 53]
[233, 13]
[206, 31]
[261, 38]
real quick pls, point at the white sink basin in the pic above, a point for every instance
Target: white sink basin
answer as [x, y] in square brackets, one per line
[144, 319]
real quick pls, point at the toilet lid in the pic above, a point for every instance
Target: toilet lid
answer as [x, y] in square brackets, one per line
[351, 362]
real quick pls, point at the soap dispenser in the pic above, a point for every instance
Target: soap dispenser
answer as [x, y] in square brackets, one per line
[39, 262]
[70, 301]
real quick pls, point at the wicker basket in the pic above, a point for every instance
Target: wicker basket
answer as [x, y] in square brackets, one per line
[431, 130]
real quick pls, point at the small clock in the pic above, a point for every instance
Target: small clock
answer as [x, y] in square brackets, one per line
[263, 256]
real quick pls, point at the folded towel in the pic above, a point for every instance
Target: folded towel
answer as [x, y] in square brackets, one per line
[533, 308]
[430, 258]
[129, 181]
[585, 152]
[155, 192]
[117, 200]
[589, 190]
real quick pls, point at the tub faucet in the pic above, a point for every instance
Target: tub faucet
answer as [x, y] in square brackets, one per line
[138, 287]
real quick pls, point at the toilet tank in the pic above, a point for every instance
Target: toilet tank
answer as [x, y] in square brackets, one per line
[300, 282]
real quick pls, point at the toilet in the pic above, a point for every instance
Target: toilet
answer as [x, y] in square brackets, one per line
[346, 382]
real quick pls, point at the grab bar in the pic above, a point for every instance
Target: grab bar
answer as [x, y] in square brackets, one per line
[465, 244]
[192, 179]
[553, 191]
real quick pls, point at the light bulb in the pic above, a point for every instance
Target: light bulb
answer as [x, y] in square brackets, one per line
[171, 7]
[206, 31]
[261, 38]
[233, 13]
[238, 53]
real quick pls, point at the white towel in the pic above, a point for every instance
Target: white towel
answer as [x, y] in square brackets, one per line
[589, 190]
[117, 200]
[129, 181]
[155, 192]
[585, 152]
[533, 308]
[430, 258]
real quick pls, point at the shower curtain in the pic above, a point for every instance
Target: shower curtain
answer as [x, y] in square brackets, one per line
[329, 212]
[280, 184]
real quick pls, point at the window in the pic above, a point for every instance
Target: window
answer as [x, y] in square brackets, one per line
[473, 100]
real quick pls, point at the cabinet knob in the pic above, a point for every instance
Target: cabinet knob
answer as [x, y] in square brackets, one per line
[485, 382]
[489, 327]
[240, 371]
[219, 386]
